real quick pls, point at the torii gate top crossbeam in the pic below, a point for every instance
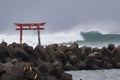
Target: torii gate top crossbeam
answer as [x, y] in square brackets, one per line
[29, 24]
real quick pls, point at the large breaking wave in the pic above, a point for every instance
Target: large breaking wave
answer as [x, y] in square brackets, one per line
[97, 36]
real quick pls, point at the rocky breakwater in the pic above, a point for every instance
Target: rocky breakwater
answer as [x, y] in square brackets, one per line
[22, 62]
[49, 63]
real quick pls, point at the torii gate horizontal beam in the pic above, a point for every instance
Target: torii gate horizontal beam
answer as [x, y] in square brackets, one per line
[30, 28]
[30, 24]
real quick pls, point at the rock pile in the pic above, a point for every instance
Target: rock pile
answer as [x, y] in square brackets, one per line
[49, 63]
[22, 62]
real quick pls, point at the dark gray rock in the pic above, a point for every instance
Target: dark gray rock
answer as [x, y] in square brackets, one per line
[21, 54]
[63, 48]
[118, 65]
[111, 47]
[66, 76]
[82, 65]
[6, 77]
[72, 57]
[41, 53]
[3, 44]
[107, 65]
[57, 72]
[68, 66]
[85, 51]
[94, 55]
[45, 68]
[75, 49]
[51, 53]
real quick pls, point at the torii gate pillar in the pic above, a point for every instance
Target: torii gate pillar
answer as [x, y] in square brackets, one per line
[30, 26]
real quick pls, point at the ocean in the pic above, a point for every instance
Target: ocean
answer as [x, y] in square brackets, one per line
[92, 39]
[97, 39]
[107, 74]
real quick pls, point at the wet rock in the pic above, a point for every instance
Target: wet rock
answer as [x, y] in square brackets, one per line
[54, 46]
[3, 44]
[57, 72]
[21, 54]
[75, 50]
[6, 77]
[14, 45]
[59, 54]
[68, 66]
[94, 55]
[1, 68]
[7, 65]
[82, 65]
[41, 53]
[11, 51]
[111, 47]
[85, 51]
[118, 65]
[49, 77]
[106, 53]
[3, 53]
[51, 53]
[107, 65]
[114, 60]
[66, 76]
[13, 61]
[38, 62]
[63, 48]
[95, 67]
[28, 49]
[95, 50]
[72, 57]
[45, 68]
[116, 51]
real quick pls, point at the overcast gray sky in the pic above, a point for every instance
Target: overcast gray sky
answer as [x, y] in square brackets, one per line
[58, 14]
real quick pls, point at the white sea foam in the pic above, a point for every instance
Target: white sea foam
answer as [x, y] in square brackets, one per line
[69, 35]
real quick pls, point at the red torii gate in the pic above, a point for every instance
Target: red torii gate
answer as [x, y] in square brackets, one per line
[29, 26]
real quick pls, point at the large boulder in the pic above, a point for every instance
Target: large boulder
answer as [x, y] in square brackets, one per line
[45, 68]
[116, 51]
[111, 47]
[95, 49]
[1, 68]
[51, 53]
[3, 44]
[81, 65]
[107, 65]
[54, 46]
[72, 57]
[63, 48]
[57, 72]
[66, 76]
[69, 66]
[28, 49]
[3, 52]
[21, 54]
[107, 53]
[85, 51]
[41, 53]
[94, 55]
[75, 49]
[117, 65]
[10, 51]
